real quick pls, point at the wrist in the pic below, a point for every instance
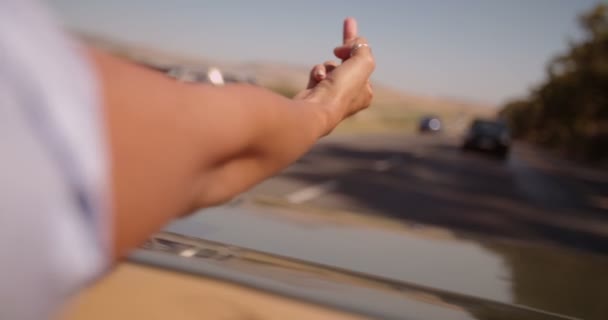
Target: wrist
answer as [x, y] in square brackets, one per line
[327, 116]
[329, 109]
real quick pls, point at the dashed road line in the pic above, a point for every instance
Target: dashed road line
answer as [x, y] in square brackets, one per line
[387, 164]
[312, 192]
[315, 191]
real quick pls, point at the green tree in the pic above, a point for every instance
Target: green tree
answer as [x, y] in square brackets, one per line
[569, 110]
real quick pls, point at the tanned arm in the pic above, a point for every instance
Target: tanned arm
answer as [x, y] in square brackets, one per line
[176, 147]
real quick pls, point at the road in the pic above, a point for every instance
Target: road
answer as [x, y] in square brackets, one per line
[528, 197]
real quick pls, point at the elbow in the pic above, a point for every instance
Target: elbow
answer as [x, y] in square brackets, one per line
[214, 196]
[224, 182]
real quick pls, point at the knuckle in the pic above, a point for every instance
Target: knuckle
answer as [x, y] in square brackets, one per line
[371, 64]
[371, 61]
[316, 69]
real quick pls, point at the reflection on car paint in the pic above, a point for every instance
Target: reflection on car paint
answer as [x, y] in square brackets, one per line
[310, 277]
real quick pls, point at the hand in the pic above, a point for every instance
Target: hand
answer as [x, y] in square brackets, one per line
[345, 88]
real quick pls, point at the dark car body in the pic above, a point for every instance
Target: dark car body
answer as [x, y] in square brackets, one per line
[368, 267]
[430, 124]
[488, 135]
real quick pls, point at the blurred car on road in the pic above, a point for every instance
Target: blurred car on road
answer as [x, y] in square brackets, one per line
[430, 124]
[488, 136]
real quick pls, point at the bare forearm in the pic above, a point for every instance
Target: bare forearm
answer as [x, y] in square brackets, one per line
[252, 134]
[176, 147]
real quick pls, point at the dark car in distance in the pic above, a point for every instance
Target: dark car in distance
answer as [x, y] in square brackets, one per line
[430, 124]
[488, 136]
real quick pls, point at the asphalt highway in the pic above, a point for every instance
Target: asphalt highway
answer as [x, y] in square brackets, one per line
[530, 196]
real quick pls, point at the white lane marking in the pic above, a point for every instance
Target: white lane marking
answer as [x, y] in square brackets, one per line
[387, 164]
[312, 192]
[315, 191]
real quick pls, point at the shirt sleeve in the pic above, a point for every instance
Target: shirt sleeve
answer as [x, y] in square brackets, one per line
[54, 196]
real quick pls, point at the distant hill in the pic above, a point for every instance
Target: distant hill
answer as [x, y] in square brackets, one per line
[391, 109]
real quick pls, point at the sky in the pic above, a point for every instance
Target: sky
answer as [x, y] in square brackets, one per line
[486, 51]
